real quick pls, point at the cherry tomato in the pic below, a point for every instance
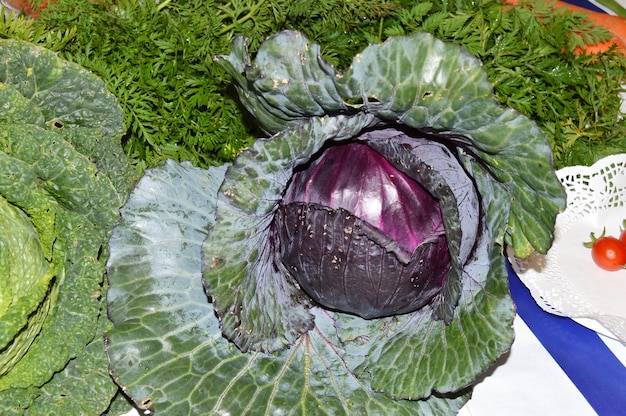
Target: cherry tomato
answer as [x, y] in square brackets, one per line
[609, 253]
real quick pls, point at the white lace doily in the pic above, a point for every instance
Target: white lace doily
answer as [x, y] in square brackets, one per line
[566, 281]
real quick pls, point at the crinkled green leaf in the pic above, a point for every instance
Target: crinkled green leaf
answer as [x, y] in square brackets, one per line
[22, 262]
[259, 307]
[18, 109]
[63, 173]
[65, 93]
[25, 279]
[20, 183]
[54, 168]
[62, 165]
[84, 387]
[105, 153]
[88, 375]
[166, 348]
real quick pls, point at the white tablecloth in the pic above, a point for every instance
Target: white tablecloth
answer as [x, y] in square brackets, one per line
[528, 382]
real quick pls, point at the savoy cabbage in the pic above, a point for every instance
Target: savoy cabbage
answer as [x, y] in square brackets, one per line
[63, 178]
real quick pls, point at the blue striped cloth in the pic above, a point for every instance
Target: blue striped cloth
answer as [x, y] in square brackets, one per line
[580, 352]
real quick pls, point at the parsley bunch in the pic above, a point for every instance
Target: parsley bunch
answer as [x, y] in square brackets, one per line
[156, 57]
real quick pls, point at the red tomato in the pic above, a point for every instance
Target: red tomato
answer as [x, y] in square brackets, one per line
[609, 253]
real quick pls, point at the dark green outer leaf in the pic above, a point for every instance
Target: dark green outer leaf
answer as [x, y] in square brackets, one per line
[166, 348]
[62, 91]
[65, 175]
[259, 307]
[18, 109]
[419, 80]
[164, 326]
[523, 169]
[162, 220]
